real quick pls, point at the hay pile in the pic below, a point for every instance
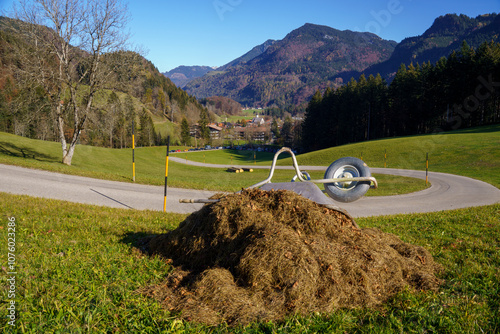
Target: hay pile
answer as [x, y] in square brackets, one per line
[263, 255]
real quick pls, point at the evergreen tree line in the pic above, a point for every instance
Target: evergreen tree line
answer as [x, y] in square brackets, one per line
[460, 91]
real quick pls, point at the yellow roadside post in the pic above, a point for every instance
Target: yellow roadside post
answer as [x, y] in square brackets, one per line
[133, 151]
[166, 176]
[427, 169]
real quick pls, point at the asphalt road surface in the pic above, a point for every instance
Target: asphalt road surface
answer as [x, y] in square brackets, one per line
[446, 193]
[38, 183]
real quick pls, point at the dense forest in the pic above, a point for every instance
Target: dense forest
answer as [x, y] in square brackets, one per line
[458, 91]
[221, 105]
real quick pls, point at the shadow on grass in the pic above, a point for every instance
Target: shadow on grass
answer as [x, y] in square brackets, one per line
[482, 129]
[139, 240]
[24, 152]
[247, 156]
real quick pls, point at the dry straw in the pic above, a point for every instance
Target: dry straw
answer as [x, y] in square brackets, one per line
[264, 255]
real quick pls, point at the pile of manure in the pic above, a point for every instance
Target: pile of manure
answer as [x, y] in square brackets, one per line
[265, 255]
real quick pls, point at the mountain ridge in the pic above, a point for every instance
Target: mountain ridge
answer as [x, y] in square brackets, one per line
[181, 75]
[253, 53]
[290, 65]
[444, 36]
[291, 69]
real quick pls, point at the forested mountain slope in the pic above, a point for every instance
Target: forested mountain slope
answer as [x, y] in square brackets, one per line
[134, 89]
[290, 70]
[444, 36]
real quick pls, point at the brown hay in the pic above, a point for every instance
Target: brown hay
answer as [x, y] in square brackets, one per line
[263, 255]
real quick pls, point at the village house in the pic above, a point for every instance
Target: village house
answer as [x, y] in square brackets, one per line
[215, 131]
[260, 133]
[257, 121]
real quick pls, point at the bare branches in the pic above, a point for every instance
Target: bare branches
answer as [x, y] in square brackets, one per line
[77, 34]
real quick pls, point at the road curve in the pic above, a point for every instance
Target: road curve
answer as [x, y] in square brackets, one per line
[446, 193]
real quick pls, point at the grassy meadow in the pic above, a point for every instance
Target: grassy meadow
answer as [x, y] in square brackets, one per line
[471, 152]
[80, 267]
[248, 115]
[116, 165]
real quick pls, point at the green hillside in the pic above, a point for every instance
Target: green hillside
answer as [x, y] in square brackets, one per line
[472, 152]
[133, 89]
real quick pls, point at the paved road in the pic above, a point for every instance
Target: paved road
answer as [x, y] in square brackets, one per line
[447, 192]
[24, 181]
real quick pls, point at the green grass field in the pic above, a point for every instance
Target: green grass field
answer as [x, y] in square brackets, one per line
[79, 267]
[116, 164]
[473, 152]
[245, 114]
[79, 270]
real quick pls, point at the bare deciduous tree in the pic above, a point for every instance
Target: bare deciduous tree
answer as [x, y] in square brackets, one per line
[67, 59]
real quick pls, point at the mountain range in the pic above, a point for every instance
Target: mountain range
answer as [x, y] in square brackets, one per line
[444, 36]
[288, 71]
[181, 75]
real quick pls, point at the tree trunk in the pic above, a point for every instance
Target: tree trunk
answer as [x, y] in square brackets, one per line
[69, 151]
[69, 155]
[60, 128]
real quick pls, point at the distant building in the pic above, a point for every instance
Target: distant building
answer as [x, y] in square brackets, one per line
[215, 131]
[194, 130]
[252, 133]
[257, 121]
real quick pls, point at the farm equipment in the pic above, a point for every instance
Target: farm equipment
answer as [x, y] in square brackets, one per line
[346, 180]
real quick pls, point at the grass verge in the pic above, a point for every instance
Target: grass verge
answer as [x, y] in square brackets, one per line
[116, 165]
[78, 270]
[470, 152]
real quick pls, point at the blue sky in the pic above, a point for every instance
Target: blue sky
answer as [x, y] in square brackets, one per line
[214, 32]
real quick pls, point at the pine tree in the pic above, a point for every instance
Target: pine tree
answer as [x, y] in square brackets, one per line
[275, 129]
[310, 131]
[185, 135]
[287, 133]
[130, 117]
[112, 117]
[203, 123]
[147, 132]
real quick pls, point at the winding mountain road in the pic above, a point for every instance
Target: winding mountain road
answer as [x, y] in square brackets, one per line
[447, 191]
